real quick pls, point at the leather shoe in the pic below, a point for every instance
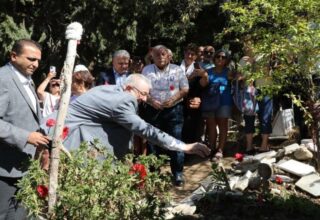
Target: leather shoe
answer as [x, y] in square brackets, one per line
[179, 181]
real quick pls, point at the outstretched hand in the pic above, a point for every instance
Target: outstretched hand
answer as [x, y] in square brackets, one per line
[197, 148]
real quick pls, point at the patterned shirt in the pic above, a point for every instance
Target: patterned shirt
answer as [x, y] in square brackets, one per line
[166, 82]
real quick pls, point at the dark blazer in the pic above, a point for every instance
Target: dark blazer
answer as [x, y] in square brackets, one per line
[107, 78]
[17, 120]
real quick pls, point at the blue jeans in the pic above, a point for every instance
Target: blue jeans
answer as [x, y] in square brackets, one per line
[169, 120]
[264, 115]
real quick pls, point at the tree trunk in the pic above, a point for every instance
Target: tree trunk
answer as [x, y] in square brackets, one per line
[66, 78]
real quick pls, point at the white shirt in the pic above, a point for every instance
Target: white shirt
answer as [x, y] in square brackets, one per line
[166, 82]
[26, 82]
[50, 103]
[119, 78]
[187, 70]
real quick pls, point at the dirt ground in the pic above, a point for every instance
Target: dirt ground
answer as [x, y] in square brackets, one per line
[197, 169]
[298, 205]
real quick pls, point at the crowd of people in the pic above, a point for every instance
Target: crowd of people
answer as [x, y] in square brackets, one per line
[160, 106]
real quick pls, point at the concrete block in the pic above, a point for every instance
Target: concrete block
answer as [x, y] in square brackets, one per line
[291, 148]
[268, 154]
[310, 184]
[296, 167]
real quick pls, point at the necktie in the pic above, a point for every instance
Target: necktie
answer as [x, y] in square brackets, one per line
[30, 83]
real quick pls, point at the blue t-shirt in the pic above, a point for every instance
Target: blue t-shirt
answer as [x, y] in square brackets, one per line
[225, 87]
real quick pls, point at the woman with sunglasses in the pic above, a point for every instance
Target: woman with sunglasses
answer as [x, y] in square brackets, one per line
[219, 115]
[50, 99]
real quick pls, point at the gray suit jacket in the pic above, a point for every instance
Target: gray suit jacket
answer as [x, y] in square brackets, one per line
[109, 114]
[17, 120]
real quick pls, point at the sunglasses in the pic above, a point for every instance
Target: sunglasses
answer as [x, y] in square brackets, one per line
[220, 57]
[55, 84]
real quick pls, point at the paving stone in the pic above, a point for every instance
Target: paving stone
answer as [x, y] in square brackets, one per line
[296, 167]
[310, 184]
[195, 196]
[291, 148]
[184, 209]
[268, 154]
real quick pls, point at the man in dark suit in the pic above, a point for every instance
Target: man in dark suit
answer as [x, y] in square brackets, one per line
[119, 71]
[19, 121]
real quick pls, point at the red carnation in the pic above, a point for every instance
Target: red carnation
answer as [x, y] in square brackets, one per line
[171, 87]
[65, 132]
[141, 171]
[50, 122]
[42, 191]
[279, 180]
[238, 157]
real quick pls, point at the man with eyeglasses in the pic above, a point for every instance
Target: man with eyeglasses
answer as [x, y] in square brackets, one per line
[208, 57]
[119, 71]
[19, 121]
[109, 114]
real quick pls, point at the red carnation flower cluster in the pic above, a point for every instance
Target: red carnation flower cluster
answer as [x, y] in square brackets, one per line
[50, 122]
[279, 180]
[239, 157]
[65, 133]
[140, 170]
[42, 191]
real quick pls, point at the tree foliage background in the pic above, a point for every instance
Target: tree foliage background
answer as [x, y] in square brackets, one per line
[108, 25]
[285, 33]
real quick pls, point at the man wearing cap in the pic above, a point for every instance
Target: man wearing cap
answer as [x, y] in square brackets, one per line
[119, 71]
[19, 121]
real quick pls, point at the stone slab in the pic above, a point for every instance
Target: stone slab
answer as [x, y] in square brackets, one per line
[310, 184]
[268, 154]
[296, 167]
[291, 148]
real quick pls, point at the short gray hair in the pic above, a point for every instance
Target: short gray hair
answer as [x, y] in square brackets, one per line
[121, 53]
[134, 78]
[158, 47]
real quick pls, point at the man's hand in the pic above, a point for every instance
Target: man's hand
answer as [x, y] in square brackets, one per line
[36, 139]
[194, 103]
[168, 103]
[45, 157]
[197, 148]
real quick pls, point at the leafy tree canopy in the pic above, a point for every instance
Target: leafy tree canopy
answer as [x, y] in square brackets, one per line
[286, 31]
[108, 25]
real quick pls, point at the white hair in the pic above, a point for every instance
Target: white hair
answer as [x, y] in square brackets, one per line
[135, 78]
[121, 53]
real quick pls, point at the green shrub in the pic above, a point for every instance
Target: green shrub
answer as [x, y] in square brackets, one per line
[95, 185]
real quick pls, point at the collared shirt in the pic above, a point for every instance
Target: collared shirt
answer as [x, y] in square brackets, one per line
[26, 82]
[119, 78]
[166, 82]
[187, 70]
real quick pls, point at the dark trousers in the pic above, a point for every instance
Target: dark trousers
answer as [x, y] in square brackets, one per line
[169, 120]
[10, 208]
[193, 127]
